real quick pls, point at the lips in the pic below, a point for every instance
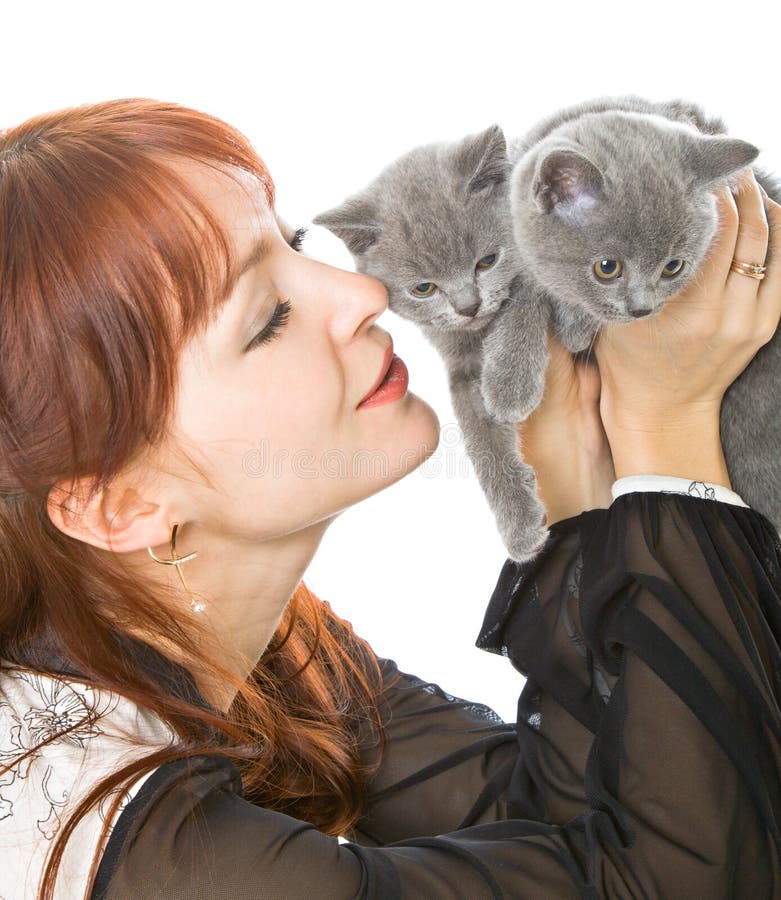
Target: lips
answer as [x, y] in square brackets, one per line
[386, 362]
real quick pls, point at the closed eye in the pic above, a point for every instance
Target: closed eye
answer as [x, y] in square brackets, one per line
[282, 308]
[274, 326]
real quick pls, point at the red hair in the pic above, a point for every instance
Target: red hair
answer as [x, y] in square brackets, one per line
[109, 262]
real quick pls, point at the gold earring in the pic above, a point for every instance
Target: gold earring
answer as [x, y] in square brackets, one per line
[196, 605]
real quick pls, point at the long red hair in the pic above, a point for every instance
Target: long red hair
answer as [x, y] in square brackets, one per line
[108, 264]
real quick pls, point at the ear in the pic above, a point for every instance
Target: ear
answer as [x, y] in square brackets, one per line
[355, 222]
[713, 158]
[113, 518]
[566, 181]
[481, 159]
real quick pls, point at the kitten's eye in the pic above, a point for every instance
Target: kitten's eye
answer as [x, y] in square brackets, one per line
[673, 268]
[486, 262]
[608, 269]
[424, 289]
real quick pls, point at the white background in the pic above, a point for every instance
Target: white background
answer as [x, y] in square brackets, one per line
[329, 92]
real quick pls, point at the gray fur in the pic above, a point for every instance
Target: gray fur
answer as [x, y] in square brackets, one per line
[644, 176]
[430, 216]
[616, 178]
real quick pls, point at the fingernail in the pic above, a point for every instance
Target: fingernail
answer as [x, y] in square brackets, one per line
[762, 191]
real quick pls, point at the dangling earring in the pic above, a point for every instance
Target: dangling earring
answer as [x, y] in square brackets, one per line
[177, 561]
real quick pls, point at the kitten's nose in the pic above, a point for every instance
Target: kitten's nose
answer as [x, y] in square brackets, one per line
[470, 310]
[639, 313]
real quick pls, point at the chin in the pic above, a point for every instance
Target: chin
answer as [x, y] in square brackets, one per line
[426, 421]
[406, 429]
[414, 442]
[418, 436]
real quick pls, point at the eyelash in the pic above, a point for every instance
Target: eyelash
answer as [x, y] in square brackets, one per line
[274, 326]
[281, 312]
[298, 238]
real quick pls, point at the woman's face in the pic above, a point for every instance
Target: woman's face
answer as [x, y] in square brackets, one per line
[271, 406]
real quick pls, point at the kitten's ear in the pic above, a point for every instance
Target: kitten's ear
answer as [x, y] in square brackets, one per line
[712, 158]
[566, 181]
[354, 221]
[482, 159]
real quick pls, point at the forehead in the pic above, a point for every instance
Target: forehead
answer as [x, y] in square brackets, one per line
[236, 197]
[439, 243]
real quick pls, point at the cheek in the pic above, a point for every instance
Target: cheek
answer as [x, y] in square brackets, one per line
[269, 410]
[302, 407]
[495, 283]
[277, 439]
[415, 311]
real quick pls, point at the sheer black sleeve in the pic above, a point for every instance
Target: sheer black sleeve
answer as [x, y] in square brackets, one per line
[450, 763]
[671, 660]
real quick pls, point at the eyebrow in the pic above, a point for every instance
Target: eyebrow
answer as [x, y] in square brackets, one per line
[257, 254]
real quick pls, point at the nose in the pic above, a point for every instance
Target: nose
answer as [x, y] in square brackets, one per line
[638, 297]
[464, 299]
[355, 301]
[639, 303]
[470, 310]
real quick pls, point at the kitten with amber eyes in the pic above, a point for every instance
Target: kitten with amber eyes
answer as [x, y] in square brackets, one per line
[613, 211]
[434, 226]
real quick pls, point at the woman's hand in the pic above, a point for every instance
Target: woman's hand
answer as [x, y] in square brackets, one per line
[663, 378]
[564, 440]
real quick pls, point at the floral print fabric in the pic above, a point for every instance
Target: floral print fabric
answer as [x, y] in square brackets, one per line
[38, 793]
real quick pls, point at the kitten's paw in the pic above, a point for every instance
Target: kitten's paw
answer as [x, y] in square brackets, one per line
[575, 330]
[513, 398]
[522, 522]
[525, 541]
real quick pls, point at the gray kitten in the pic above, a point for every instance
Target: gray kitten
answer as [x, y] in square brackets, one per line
[613, 211]
[434, 227]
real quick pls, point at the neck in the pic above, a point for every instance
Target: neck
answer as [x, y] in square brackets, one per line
[245, 587]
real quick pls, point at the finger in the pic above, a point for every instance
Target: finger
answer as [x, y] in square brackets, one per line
[769, 299]
[741, 291]
[715, 266]
[751, 243]
[560, 374]
[707, 284]
[589, 381]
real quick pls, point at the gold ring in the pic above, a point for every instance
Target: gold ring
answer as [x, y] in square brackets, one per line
[753, 270]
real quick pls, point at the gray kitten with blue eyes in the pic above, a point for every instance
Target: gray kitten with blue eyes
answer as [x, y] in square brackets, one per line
[434, 226]
[600, 213]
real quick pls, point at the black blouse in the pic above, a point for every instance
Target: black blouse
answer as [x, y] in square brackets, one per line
[646, 760]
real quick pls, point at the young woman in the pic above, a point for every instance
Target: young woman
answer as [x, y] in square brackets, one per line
[182, 718]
